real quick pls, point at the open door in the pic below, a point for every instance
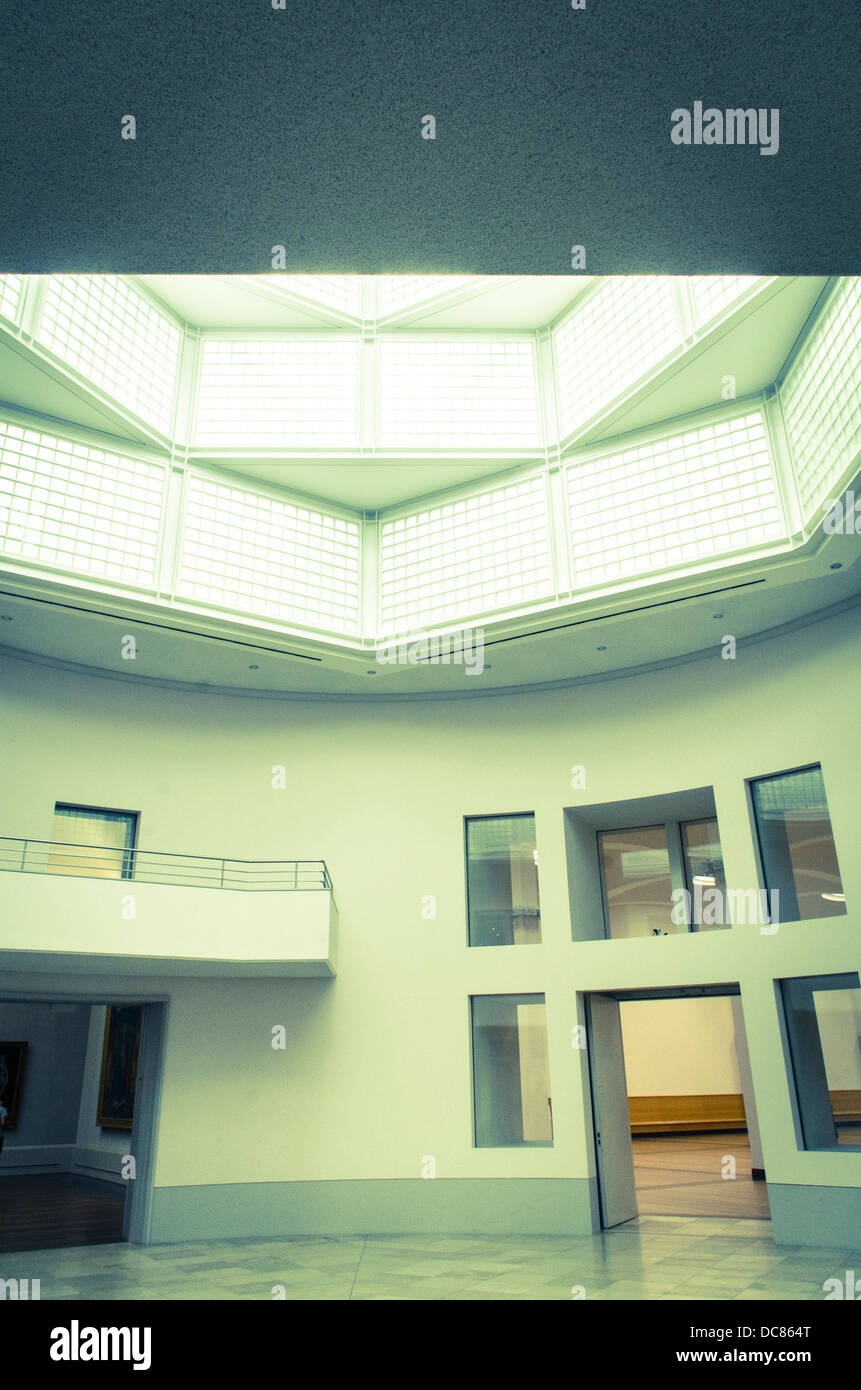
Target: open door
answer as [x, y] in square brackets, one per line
[139, 1198]
[610, 1111]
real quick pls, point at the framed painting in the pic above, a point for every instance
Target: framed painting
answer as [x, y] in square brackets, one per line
[120, 1053]
[13, 1055]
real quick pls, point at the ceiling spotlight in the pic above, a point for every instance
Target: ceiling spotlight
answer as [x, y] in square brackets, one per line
[4, 618]
[254, 668]
[372, 673]
[833, 897]
[601, 649]
[836, 566]
[717, 615]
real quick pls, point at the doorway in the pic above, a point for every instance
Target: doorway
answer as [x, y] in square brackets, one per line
[80, 1080]
[674, 1115]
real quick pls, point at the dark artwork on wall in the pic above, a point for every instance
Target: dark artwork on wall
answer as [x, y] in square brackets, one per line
[120, 1054]
[12, 1058]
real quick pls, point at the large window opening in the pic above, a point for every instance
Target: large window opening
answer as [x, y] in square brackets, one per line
[796, 843]
[511, 1075]
[502, 881]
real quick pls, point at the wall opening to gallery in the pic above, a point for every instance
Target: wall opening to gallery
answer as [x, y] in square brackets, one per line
[76, 1158]
[675, 1115]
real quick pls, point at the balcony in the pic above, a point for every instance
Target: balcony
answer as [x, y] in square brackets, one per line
[90, 908]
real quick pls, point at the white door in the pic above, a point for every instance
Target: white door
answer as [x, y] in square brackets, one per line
[610, 1111]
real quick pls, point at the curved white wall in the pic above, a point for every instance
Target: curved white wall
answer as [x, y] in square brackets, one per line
[376, 1074]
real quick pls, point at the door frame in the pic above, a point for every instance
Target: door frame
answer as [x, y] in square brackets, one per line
[730, 988]
[138, 1205]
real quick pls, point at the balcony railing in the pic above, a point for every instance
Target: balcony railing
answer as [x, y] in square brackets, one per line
[157, 866]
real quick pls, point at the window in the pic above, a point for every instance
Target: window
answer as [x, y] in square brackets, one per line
[511, 1076]
[704, 873]
[823, 1024]
[107, 840]
[796, 845]
[502, 881]
[637, 882]
[662, 879]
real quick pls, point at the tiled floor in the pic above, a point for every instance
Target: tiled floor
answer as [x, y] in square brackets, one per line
[655, 1257]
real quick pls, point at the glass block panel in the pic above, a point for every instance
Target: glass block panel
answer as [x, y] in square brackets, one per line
[343, 292]
[275, 559]
[79, 508]
[466, 393]
[264, 393]
[620, 332]
[796, 843]
[511, 1074]
[714, 293]
[674, 501]
[403, 291]
[11, 290]
[114, 337]
[821, 398]
[465, 558]
[502, 881]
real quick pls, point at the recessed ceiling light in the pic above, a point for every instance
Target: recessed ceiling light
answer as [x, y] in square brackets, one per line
[601, 649]
[254, 668]
[5, 618]
[833, 897]
[836, 566]
[372, 673]
[717, 615]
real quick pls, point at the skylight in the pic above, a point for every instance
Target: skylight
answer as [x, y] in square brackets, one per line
[463, 392]
[11, 287]
[341, 292]
[405, 291]
[63, 503]
[620, 331]
[821, 397]
[475, 555]
[265, 393]
[714, 293]
[673, 501]
[116, 339]
[245, 550]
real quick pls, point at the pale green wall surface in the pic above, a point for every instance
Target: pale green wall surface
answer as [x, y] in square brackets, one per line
[376, 1074]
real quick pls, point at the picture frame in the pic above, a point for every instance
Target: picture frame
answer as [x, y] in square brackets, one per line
[13, 1057]
[120, 1054]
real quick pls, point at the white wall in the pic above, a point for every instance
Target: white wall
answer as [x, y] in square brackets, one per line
[680, 1047]
[377, 1069]
[51, 1086]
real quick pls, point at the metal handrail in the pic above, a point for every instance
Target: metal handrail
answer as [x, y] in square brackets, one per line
[163, 866]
